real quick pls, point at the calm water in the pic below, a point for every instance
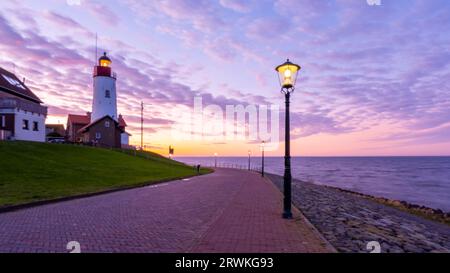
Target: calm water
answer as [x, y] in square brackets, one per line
[418, 180]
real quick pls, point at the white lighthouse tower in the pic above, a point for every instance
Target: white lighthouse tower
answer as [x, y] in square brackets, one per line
[105, 98]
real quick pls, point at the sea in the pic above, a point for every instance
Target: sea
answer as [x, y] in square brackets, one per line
[416, 180]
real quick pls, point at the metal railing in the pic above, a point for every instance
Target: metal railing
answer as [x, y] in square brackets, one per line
[13, 103]
[232, 166]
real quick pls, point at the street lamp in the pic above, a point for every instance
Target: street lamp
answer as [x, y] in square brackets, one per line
[215, 160]
[262, 156]
[287, 75]
[249, 154]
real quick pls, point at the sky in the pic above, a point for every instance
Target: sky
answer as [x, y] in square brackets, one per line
[375, 79]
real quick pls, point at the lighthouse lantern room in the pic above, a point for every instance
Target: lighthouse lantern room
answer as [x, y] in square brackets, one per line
[104, 100]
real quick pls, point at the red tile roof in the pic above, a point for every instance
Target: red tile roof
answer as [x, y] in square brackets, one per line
[78, 119]
[86, 127]
[86, 119]
[11, 84]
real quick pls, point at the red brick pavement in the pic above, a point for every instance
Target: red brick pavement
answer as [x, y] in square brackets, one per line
[252, 223]
[228, 211]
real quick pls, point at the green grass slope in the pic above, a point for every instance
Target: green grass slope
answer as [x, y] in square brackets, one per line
[40, 171]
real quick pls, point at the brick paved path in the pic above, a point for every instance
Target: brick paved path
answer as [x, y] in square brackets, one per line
[228, 211]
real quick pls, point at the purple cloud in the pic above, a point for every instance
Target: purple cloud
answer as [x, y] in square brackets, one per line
[363, 66]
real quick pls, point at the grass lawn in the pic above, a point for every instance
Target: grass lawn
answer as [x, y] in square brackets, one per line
[40, 171]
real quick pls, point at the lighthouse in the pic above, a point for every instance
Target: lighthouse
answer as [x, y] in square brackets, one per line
[104, 101]
[102, 127]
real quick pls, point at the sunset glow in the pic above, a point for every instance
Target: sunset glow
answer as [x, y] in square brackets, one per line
[374, 80]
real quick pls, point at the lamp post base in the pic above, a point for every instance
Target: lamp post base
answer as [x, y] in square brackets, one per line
[262, 165]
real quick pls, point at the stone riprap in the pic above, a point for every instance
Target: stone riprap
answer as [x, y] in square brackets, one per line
[349, 221]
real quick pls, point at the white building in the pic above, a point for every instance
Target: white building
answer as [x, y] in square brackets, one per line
[22, 117]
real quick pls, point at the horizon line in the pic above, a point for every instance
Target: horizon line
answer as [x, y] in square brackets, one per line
[318, 156]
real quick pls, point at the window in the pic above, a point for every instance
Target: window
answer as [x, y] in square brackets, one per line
[98, 135]
[107, 94]
[25, 124]
[3, 121]
[107, 124]
[13, 82]
[35, 126]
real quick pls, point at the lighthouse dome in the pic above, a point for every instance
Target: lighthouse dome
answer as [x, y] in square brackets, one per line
[104, 60]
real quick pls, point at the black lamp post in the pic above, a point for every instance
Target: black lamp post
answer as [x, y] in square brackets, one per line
[287, 74]
[249, 154]
[262, 157]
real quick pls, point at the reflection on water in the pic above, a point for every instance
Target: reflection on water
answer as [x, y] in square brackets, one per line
[419, 180]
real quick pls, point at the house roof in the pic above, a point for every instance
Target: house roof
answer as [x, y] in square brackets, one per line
[86, 128]
[11, 84]
[55, 126]
[85, 119]
[78, 119]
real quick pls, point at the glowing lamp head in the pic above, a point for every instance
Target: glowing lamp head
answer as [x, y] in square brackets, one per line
[287, 73]
[104, 60]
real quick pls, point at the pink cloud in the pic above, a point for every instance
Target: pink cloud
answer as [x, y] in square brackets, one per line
[103, 13]
[268, 29]
[362, 66]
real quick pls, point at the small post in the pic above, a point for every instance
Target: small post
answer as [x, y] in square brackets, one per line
[142, 125]
[262, 156]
